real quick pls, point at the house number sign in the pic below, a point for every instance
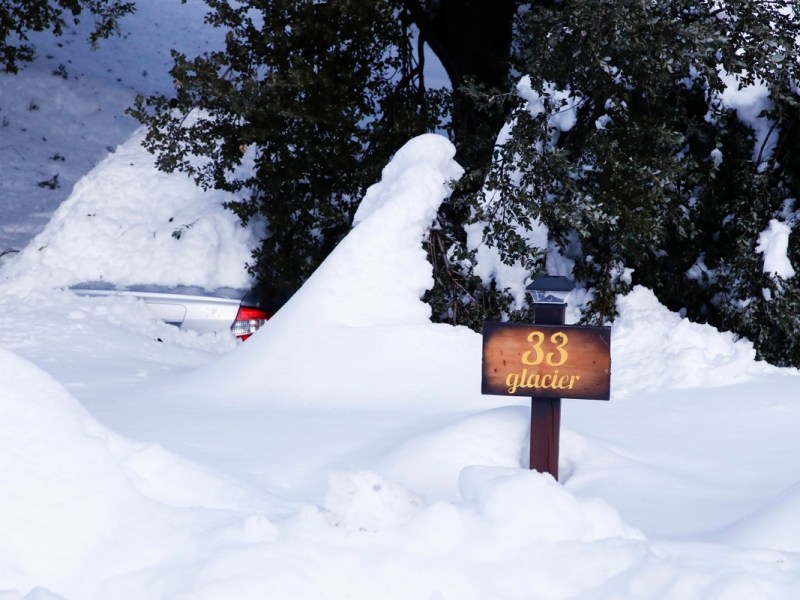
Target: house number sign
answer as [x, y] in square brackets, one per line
[546, 361]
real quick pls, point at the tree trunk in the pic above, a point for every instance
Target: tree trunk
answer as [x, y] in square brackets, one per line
[472, 39]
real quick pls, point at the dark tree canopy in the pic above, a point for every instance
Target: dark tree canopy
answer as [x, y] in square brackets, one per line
[658, 182]
[658, 174]
[472, 39]
[318, 95]
[20, 17]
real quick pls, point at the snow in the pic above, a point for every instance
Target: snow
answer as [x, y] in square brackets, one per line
[345, 450]
[561, 110]
[182, 238]
[560, 106]
[773, 244]
[751, 103]
[63, 114]
[698, 355]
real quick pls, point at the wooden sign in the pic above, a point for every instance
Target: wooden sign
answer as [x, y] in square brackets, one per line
[546, 361]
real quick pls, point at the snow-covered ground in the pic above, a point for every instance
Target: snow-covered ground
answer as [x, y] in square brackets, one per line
[344, 451]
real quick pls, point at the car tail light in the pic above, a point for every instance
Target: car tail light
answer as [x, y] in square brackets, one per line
[248, 321]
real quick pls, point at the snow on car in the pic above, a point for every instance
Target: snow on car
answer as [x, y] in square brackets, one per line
[243, 311]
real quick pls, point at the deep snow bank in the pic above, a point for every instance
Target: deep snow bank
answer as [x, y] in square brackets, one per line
[80, 504]
[364, 338]
[128, 223]
[65, 111]
[442, 496]
[357, 333]
[774, 525]
[655, 349]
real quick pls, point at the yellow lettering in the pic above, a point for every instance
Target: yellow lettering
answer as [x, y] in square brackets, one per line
[512, 381]
[533, 380]
[537, 381]
[536, 338]
[560, 339]
[537, 356]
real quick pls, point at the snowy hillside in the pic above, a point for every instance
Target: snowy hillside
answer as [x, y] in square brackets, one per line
[345, 450]
[145, 226]
[62, 114]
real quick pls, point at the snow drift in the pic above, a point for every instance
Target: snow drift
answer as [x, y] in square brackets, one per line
[361, 461]
[128, 223]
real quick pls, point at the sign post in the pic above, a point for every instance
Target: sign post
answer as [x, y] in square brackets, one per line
[547, 361]
[546, 412]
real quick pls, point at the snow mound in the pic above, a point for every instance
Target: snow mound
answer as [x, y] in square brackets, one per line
[772, 526]
[496, 438]
[508, 507]
[74, 490]
[654, 348]
[364, 501]
[359, 318]
[378, 273]
[525, 506]
[128, 223]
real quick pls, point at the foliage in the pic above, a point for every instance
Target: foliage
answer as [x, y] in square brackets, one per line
[658, 174]
[459, 296]
[297, 116]
[20, 17]
[623, 146]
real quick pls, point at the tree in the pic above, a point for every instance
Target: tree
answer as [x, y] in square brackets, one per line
[632, 159]
[315, 97]
[20, 17]
[658, 174]
[473, 42]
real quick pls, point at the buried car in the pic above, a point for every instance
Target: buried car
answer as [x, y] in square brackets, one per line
[243, 311]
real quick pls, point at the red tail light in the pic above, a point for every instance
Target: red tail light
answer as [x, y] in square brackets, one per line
[248, 321]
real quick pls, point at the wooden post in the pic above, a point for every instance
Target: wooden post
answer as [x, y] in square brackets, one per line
[548, 361]
[545, 429]
[546, 412]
